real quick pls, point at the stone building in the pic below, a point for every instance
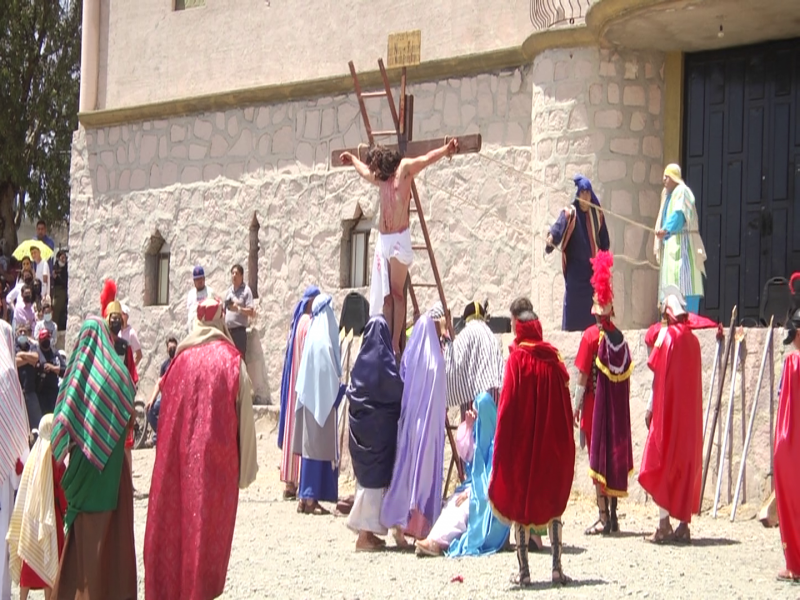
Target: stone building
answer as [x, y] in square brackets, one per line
[207, 126]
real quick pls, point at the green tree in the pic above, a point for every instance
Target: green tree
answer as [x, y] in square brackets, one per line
[40, 51]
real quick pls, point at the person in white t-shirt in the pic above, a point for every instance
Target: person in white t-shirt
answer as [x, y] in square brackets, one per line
[197, 294]
[128, 334]
[42, 271]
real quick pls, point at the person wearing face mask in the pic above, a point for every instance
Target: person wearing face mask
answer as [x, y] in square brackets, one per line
[153, 406]
[129, 334]
[51, 366]
[46, 322]
[23, 312]
[59, 290]
[25, 276]
[27, 360]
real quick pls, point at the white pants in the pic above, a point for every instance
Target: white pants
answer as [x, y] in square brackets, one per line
[451, 524]
[366, 512]
[387, 246]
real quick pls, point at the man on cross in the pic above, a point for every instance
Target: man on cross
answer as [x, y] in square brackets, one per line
[393, 175]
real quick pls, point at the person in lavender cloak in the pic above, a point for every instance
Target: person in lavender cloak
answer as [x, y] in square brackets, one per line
[413, 501]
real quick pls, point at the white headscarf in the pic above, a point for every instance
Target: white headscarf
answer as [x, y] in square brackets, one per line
[321, 366]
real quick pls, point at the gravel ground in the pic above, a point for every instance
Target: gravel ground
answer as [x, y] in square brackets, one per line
[278, 553]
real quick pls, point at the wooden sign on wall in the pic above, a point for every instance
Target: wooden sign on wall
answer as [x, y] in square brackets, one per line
[404, 49]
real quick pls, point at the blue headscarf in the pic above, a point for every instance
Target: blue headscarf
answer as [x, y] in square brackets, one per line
[299, 309]
[485, 533]
[318, 385]
[582, 183]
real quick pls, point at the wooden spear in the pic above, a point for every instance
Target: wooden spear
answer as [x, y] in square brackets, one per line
[749, 437]
[718, 403]
[729, 418]
[711, 388]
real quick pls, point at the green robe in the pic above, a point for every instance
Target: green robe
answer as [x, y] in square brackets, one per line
[89, 490]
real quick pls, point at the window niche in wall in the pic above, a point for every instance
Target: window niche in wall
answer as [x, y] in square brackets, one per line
[354, 257]
[252, 256]
[156, 271]
[184, 4]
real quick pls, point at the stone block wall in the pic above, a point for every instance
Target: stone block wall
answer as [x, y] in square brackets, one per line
[198, 179]
[599, 112]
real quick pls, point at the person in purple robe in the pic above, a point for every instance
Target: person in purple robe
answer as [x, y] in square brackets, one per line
[580, 232]
[414, 498]
[375, 395]
[611, 448]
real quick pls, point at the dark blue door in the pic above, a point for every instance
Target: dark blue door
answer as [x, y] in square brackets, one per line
[742, 160]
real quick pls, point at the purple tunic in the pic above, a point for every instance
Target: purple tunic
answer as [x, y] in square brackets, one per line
[414, 498]
[611, 451]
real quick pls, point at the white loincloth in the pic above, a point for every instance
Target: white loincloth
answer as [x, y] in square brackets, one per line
[366, 512]
[387, 246]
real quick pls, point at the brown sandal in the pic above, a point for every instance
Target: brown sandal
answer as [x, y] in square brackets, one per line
[787, 575]
[661, 536]
[560, 579]
[682, 535]
[314, 508]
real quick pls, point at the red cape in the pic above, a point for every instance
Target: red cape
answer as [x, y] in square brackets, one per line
[534, 447]
[195, 487]
[584, 362]
[672, 461]
[787, 455]
[694, 321]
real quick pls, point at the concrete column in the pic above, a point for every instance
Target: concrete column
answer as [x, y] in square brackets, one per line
[90, 55]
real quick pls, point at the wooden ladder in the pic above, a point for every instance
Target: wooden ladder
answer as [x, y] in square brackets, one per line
[403, 118]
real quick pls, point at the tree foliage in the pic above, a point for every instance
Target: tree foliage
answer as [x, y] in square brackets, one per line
[39, 89]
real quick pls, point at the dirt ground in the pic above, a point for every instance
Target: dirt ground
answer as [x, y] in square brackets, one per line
[278, 553]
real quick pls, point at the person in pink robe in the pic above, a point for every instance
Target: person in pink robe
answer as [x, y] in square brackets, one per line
[206, 453]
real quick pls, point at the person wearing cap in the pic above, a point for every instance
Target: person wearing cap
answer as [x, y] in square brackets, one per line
[196, 295]
[604, 363]
[52, 367]
[678, 247]
[672, 461]
[787, 453]
[129, 334]
[580, 232]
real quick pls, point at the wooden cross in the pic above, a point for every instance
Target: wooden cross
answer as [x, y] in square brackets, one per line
[467, 144]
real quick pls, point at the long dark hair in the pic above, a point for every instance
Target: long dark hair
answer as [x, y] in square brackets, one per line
[383, 162]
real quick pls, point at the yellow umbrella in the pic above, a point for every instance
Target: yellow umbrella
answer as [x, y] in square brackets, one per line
[24, 249]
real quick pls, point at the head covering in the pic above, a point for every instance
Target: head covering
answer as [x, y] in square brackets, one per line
[474, 363]
[125, 310]
[583, 184]
[209, 326]
[375, 393]
[791, 328]
[673, 171]
[96, 397]
[674, 304]
[108, 299]
[475, 310]
[32, 534]
[602, 284]
[14, 429]
[44, 334]
[198, 272]
[321, 367]
[436, 311]
[311, 292]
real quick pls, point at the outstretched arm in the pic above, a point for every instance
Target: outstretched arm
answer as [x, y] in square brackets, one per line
[412, 166]
[361, 168]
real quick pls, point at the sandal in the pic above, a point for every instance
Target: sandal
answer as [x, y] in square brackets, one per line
[425, 549]
[602, 526]
[560, 579]
[522, 580]
[661, 536]
[787, 575]
[682, 535]
[301, 507]
[290, 494]
[314, 508]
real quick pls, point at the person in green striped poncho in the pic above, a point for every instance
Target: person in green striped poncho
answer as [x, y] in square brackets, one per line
[92, 418]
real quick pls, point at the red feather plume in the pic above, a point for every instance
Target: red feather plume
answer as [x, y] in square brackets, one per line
[601, 280]
[108, 295]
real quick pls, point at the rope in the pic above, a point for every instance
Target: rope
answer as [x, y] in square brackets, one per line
[596, 207]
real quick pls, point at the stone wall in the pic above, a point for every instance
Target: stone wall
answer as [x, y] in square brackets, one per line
[599, 112]
[197, 180]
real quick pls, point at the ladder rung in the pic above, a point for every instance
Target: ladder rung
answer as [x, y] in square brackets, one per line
[419, 247]
[424, 285]
[412, 209]
[384, 133]
[373, 94]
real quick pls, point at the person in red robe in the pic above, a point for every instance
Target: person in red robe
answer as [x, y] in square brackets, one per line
[534, 451]
[206, 453]
[671, 470]
[604, 363]
[787, 454]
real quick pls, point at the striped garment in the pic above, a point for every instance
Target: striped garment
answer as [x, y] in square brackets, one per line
[682, 256]
[474, 364]
[14, 429]
[290, 462]
[95, 401]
